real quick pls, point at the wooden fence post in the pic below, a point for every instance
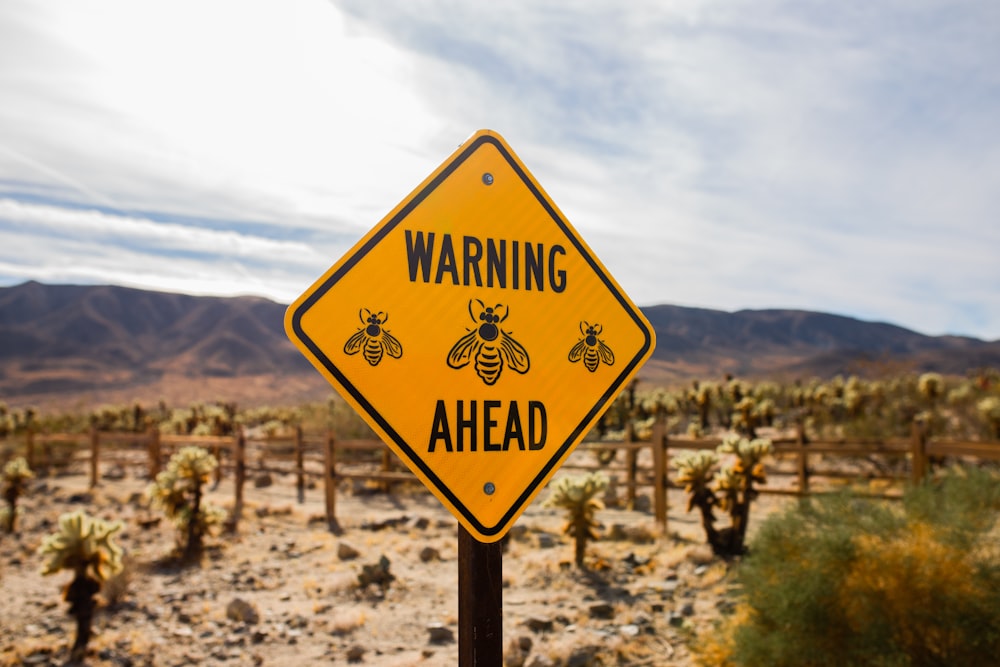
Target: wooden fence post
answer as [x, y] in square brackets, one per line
[95, 454]
[300, 475]
[659, 444]
[154, 452]
[918, 452]
[631, 459]
[240, 475]
[330, 481]
[216, 451]
[47, 458]
[386, 465]
[29, 446]
[800, 443]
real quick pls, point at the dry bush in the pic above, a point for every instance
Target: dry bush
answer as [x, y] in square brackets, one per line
[847, 581]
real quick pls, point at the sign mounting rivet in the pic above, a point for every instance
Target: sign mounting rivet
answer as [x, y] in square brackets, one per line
[489, 488]
[488, 178]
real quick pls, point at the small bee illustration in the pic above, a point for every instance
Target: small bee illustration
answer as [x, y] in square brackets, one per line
[373, 338]
[490, 346]
[591, 349]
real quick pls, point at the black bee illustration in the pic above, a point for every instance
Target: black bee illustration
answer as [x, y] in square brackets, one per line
[490, 346]
[373, 338]
[592, 349]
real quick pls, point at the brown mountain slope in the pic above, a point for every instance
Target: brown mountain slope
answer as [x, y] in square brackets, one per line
[90, 344]
[67, 339]
[796, 343]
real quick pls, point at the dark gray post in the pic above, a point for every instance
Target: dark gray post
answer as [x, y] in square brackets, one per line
[480, 602]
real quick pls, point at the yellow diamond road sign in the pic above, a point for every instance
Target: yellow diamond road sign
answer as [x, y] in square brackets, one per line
[476, 333]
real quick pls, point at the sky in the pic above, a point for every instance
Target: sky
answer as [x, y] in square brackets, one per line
[841, 157]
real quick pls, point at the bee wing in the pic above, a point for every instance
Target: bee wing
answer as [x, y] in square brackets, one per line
[392, 346]
[514, 354]
[607, 356]
[464, 350]
[576, 353]
[355, 342]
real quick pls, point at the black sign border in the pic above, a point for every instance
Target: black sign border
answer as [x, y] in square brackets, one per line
[502, 525]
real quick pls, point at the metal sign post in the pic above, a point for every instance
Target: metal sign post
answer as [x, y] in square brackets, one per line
[480, 602]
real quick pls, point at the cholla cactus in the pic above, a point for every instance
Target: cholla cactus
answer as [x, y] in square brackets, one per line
[728, 487]
[731, 489]
[766, 411]
[83, 543]
[736, 485]
[178, 491]
[749, 456]
[86, 546]
[930, 386]
[16, 474]
[989, 410]
[694, 471]
[703, 399]
[578, 496]
[746, 418]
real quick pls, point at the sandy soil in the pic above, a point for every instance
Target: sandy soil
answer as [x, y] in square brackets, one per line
[640, 601]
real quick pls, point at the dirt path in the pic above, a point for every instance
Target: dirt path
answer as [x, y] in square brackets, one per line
[639, 602]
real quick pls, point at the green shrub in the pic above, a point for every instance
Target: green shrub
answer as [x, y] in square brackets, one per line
[844, 581]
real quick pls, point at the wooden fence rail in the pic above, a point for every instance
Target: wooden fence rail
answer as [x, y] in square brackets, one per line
[327, 458]
[322, 457]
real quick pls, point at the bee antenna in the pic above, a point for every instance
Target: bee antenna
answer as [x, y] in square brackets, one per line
[384, 319]
[482, 306]
[362, 316]
[497, 307]
[584, 325]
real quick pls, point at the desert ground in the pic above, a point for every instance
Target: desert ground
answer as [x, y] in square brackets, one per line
[284, 588]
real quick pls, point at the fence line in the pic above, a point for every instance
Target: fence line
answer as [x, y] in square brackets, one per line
[328, 456]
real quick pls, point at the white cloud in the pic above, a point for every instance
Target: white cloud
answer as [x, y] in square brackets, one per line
[156, 237]
[86, 261]
[247, 106]
[713, 153]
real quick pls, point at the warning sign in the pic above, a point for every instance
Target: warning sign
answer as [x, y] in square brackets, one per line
[476, 333]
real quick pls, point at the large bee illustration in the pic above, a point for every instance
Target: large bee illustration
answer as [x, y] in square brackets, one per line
[490, 346]
[373, 339]
[591, 349]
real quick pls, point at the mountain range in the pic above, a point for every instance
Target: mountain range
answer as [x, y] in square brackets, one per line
[84, 345]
